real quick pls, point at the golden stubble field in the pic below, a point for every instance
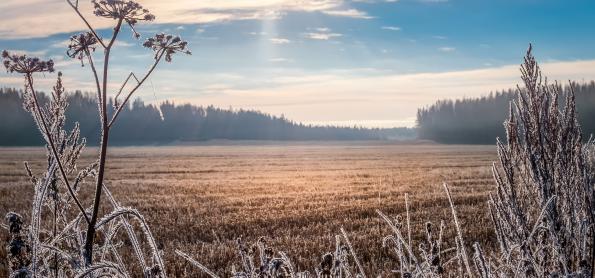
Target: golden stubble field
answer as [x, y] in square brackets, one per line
[201, 199]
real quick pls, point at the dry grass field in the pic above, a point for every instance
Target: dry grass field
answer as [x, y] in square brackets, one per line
[201, 199]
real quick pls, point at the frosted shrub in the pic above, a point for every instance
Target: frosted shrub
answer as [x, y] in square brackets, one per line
[543, 206]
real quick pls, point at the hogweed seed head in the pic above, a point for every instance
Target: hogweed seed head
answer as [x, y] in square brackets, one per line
[129, 11]
[25, 65]
[80, 45]
[168, 44]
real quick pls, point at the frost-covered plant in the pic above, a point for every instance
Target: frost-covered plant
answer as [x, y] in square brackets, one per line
[256, 261]
[65, 237]
[433, 257]
[259, 261]
[543, 209]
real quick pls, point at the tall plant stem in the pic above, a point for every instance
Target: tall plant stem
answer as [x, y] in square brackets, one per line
[88, 251]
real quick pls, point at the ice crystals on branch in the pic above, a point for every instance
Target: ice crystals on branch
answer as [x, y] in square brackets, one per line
[168, 45]
[25, 65]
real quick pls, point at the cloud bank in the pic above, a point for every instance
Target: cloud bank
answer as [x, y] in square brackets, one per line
[40, 18]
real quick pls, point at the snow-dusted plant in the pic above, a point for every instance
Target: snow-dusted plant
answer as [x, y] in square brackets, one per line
[543, 208]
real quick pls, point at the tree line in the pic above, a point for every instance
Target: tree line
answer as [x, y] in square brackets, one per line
[480, 120]
[142, 124]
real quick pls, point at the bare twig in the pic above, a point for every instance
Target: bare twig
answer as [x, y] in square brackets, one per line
[122, 87]
[123, 104]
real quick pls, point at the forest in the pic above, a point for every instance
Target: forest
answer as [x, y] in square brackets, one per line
[145, 124]
[480, 120]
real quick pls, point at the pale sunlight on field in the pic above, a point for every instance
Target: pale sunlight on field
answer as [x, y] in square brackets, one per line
[203, 198]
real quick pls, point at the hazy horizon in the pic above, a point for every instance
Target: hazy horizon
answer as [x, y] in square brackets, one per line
[370, 63]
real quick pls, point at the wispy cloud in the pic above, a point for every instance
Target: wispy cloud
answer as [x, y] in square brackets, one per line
[257, 33]
[447, 49]
[280, 60]
[322, 33]
[279, 41]
[322, 36]
[55, 16]
[391, 28]
[353, 13]
[28, 53]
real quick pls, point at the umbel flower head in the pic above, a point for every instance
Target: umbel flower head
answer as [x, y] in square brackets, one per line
[168, 44]
[81, 44]
[129, 11]
[24, 64]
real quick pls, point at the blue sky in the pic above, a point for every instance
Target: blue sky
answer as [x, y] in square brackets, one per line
[366, 62]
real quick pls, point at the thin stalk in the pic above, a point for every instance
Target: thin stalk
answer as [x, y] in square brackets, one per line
[195, 263]
[88, 251]
[359, 265]
[50, 141]
[408, 222]
[99, 99]
[55, 229]
[459, 233]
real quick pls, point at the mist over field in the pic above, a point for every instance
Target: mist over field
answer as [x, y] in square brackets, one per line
[174, 124]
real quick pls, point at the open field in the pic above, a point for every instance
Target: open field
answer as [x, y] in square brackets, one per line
[200, 199]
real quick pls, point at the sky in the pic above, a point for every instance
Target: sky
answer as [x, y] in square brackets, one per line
[369, 63]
